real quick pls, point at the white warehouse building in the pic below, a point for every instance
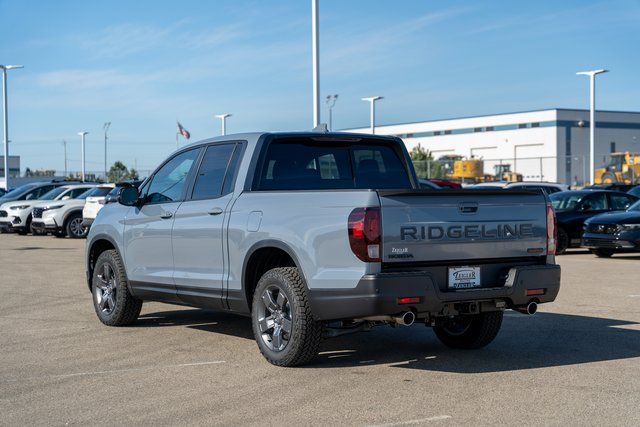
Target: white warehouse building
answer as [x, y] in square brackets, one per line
[542, 145]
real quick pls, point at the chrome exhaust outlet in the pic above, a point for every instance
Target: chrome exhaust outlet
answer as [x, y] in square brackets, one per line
[406, 319]
[529, 309]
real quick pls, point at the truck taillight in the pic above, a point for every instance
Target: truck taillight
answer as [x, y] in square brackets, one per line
[364, 233]
[552, 233]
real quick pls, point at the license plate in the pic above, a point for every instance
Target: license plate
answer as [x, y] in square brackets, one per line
[464, 277]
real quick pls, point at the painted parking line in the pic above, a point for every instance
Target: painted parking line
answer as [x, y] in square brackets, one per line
[112, 371]
[416, 421]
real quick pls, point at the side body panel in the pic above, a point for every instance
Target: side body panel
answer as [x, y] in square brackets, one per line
[312, 224]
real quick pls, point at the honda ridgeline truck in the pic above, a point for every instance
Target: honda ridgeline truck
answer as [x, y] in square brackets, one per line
[320, 234]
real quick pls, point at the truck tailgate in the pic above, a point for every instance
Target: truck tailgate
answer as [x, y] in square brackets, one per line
[426, 226]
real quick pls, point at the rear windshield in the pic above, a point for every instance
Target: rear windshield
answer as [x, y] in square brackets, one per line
[326, 165]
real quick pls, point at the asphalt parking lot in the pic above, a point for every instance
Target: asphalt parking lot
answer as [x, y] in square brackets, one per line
[575, 362]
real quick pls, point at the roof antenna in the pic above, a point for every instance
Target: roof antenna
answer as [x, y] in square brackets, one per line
[321, 128]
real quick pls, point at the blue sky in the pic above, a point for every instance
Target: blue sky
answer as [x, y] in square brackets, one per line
[142, 64]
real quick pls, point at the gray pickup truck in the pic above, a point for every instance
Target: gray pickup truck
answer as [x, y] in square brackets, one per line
[320, 234]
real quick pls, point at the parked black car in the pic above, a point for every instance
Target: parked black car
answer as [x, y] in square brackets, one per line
[613, 232]
[574, 207]
[614, 186]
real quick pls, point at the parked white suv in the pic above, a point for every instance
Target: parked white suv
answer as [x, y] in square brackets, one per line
[64, 217]
[93, 205]
[18, 215]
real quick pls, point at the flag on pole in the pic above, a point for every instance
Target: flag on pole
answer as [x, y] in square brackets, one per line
[182, 131]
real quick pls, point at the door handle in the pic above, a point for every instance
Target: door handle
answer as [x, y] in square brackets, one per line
[166, 215]
[215, 211]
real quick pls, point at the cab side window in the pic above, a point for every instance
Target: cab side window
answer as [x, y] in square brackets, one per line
[168, 183]
[213, 170]
[595, 202]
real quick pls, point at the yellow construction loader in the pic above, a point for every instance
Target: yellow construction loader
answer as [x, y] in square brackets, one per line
[624, 168]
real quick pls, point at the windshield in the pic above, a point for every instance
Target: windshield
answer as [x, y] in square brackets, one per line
[635, 207]
[50, 195]
[94, 192]
[565, 201]
[17, 192]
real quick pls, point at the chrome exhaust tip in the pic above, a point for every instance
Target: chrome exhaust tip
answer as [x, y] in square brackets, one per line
[406, 319]
[529, 309]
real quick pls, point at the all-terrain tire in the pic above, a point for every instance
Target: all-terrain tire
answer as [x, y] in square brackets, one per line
[127, 307]
[480, 329]
[563, 241]
[306, 333]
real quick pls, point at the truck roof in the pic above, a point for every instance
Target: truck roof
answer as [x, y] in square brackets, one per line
[253, 137]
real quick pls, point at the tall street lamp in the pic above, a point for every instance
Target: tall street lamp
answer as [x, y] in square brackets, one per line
[82, 134]
[331, 102]
[592, 120]
[372, 100]
[5, 68]
[223, 119]
[106, 127]
[315, 51]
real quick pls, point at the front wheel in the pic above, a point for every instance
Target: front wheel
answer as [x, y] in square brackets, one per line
[113, 303]
[469, 331]
[74, 228]
[283, 324]
[603, 252]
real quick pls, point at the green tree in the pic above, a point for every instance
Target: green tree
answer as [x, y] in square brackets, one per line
[117, 172]
[424, 164]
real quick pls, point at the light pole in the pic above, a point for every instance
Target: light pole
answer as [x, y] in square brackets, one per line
[315, 49]
[592, 120]
[5, 68]
[82, 134]
[331, 102]
[223, 119]
[372, 100]
[106, 129]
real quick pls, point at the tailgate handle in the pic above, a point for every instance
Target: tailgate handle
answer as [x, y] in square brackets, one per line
[468, 208]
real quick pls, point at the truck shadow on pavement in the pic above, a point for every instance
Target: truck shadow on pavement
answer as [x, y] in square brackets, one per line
[525, 342]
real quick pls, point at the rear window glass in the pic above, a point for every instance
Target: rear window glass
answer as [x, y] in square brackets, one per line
[311, 166]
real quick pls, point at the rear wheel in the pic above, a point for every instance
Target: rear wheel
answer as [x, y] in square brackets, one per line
[563, 241]
[74, 227]
[603, 252]
[113, 303]
[469, 331]
[283, 325]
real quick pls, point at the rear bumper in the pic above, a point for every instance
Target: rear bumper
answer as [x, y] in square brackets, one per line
[377, 294]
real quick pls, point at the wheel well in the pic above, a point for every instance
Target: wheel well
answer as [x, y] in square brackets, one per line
[97, 248]
[261, 261]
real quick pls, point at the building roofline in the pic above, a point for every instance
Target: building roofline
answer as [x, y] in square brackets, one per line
[491, 115]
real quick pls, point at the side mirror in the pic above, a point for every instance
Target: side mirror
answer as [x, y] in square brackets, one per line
[30, 196]
[65, 198]
[585, 207]
[128, 196]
